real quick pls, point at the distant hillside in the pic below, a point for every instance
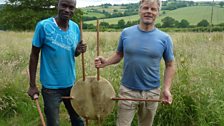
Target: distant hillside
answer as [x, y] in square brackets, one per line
[109, 11]
[193, 14]
[196, 14]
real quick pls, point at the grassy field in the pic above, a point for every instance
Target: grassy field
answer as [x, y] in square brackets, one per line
[198, 87]
[94, 14]
[193, 14]
[110, 9]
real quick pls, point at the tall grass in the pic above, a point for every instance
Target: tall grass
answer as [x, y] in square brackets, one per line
[197, 90]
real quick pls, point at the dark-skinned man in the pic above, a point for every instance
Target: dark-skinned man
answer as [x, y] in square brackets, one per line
[58, 40]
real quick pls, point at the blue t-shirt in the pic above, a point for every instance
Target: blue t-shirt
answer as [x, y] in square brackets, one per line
[143, 52]
[57, 66]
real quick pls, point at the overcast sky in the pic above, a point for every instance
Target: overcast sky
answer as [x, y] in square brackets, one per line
[83, 3]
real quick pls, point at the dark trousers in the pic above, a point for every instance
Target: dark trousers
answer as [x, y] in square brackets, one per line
[52, 99]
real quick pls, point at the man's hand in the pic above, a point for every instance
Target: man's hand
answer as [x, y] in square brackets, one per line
[81, 48]
[167, 97]
[100, 62]
[32, 91]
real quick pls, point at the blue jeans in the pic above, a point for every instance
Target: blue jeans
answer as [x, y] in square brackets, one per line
[52, 99]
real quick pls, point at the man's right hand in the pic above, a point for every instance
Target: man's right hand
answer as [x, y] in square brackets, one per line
[32, 91]
[100, 62]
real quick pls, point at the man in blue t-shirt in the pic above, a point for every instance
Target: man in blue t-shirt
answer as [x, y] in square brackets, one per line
[58, 39]
[142, 47]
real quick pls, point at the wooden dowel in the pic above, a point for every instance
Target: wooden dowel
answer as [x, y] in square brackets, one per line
[87, 121]
[133, 99]
[39, 110]
[127, 99]
[67, 97]
[97, 48]
[83, 62]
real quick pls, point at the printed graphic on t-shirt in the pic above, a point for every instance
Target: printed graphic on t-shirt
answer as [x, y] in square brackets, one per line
[65, 41]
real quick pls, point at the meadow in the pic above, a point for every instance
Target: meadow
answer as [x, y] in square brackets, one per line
[198, 86]
[192, 14]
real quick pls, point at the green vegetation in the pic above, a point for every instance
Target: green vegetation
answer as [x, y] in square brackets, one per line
[23, 15]
[109, 9]
[192, 14]
[196, 13]
[94, 14]
[115, 20]
[197, 88]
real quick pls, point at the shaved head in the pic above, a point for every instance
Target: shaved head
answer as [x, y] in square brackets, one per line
[66, 9]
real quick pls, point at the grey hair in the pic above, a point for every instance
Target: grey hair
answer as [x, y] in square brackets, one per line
[159, 2]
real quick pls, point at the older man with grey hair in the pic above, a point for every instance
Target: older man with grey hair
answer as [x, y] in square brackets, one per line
[142, 47]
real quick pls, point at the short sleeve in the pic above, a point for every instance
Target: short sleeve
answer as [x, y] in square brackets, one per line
[79, 33]
[120, 43]
[168, 53]
[38, 37]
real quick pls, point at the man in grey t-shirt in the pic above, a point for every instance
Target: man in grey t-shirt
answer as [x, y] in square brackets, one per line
[142, 47]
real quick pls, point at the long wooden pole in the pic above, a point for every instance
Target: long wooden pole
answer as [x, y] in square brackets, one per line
[67, 97]
[211, 23]
[97, 48]
[133, 99]
[83, 62]
[39, 110]
[125, 99]
[35, 97]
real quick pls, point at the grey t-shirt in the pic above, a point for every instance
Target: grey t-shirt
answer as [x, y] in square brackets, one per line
[143, 52]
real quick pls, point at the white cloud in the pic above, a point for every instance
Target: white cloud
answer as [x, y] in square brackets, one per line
[2, 1]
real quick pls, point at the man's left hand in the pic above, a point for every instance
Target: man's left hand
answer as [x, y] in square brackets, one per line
[81, 48]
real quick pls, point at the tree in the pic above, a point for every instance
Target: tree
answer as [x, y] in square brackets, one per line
[184, 23]
[158, 25]
[78, 15]
[88, 26]
[221, 4]
[191, 3]
[128, 24]
[203, 23]
[121, 23]
[24, 14]
[104, 24]
[115, 10]
[168, 22]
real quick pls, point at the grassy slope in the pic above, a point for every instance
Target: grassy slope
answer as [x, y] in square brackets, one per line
[94, 14]
[109, 9]
[197, 13]
[192, 14]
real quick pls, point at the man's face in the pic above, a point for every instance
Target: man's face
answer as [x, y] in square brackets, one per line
[66, 9]
[148, 12]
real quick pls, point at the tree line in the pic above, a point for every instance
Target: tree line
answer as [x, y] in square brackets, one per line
[167, 22]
